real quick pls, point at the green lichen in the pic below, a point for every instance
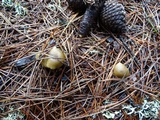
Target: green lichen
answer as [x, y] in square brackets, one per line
[51, 6]
[19, 9]
[147, 110]
[17, 115]
[7, 3]
[108, 114]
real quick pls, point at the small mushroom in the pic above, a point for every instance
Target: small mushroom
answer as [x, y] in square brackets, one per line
[120, 70]
[55, 59]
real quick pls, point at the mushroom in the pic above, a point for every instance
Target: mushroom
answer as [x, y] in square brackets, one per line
[55, 59]
[120, 70]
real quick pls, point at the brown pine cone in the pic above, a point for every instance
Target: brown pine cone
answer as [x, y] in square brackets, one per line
[112, 17]
[88, 20]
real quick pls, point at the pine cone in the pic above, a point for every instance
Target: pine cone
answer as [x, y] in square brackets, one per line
[77, 6]
[112, 17]
[89, 19]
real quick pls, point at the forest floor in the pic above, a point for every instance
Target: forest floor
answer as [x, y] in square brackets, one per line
[84, 87]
